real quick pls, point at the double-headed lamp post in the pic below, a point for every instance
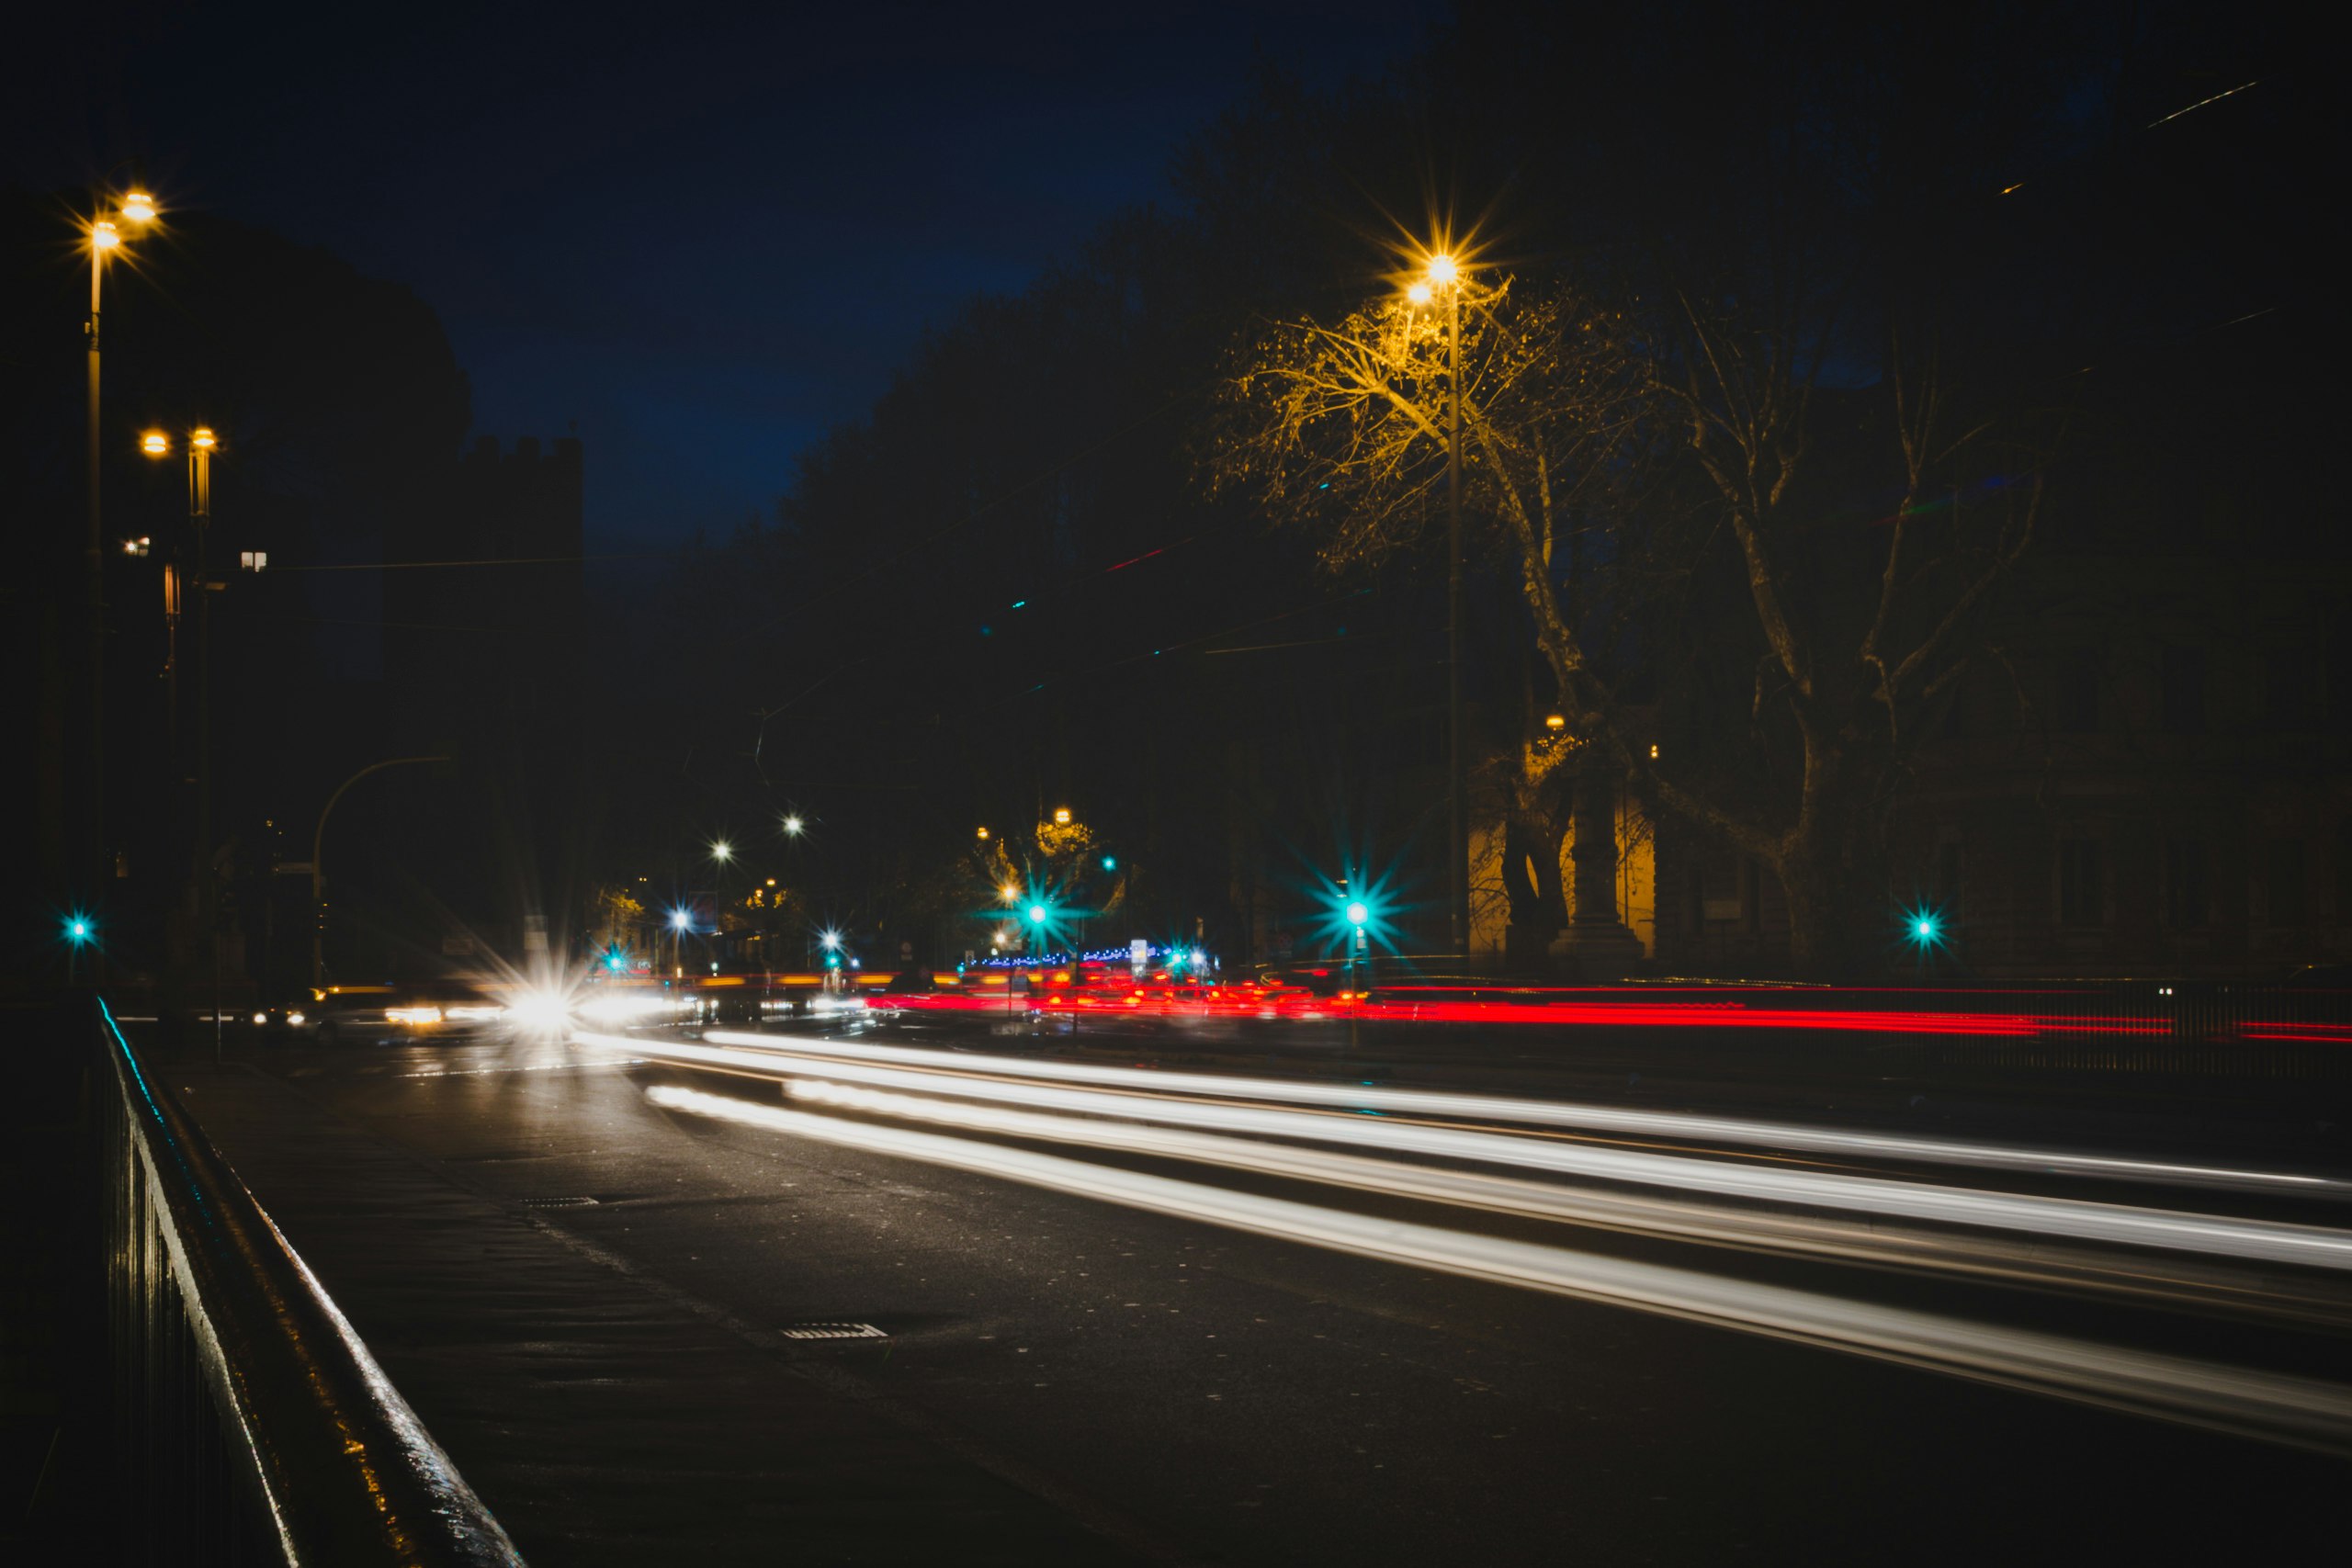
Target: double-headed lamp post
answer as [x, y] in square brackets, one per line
[1442, 276]
[105, 236]
[201, 444]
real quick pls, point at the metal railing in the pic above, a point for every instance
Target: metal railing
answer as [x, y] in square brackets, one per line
[251, 1425]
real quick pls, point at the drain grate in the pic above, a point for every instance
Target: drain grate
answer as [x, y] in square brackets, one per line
[561, 1202]
[833, 1331]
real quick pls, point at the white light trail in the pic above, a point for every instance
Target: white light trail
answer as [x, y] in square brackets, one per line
[2032, 1262]
[2276, 1407]
[1556, 1113]
[2112, 1223]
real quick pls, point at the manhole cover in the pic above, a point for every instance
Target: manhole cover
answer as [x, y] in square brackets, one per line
[560, 1203]
[833, 1331]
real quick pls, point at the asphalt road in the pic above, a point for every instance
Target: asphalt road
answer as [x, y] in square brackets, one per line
[1063, 1377]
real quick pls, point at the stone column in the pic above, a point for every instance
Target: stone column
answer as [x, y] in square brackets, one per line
[1597, 940]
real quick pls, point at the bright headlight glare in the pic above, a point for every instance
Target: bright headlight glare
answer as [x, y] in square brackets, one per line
[413, 1015]
[293, 1018]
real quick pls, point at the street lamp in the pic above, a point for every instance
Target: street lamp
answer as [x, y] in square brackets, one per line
[721, 850]
[105, 238]
[793, 826]
[1442, 274]
[201, 444]
[679, 922]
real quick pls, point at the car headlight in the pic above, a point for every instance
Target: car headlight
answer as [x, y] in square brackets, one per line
[261, 1018]
[294, 1017]
[474, 1014]
[413, 1015]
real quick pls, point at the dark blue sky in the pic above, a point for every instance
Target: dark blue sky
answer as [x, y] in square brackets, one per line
[704, 234]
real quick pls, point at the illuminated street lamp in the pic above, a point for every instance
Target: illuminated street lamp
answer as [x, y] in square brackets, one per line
[104, 234]
[793, 826]
[722, 852]
[201, 444]
[983, 835]
[1441, 275]
[1061, 817]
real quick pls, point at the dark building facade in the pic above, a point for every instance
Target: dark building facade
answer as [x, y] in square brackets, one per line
[2150, 772]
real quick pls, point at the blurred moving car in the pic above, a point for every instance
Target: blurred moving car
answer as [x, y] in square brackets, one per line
[447, 1010]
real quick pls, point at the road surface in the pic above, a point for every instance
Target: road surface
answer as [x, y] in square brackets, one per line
[588, 1268]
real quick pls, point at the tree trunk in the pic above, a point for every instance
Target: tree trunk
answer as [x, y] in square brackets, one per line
[1833, 869]
[1531, 883]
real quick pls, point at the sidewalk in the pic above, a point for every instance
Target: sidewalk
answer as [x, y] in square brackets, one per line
[601, 1419]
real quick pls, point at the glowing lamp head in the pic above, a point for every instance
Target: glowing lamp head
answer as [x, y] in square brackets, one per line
[722, 851]
[1555, 722]
[202, 438]
[1036, 914]
[984, 833]
[680, 920]
[77, 931]
[1061, 817]
[792, 826]
[1443, 271]
[1358, 914]
[104, 235]
[1420, 294]
[1009, 892]
[833, 940]
[1110, 863]
[155, 444]
[1925, 930]
[138, 207]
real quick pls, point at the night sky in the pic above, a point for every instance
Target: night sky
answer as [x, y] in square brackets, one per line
[707, 241]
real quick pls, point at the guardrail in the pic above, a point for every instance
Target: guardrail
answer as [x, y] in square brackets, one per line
[251, 1425]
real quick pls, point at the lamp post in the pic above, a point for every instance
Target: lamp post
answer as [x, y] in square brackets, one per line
[105, 239]
[318, 866]
[1443, 275]
[201, 444]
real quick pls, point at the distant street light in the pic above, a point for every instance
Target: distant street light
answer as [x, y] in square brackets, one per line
[722, 852]
[793, 827]
[1061, 817]
[983, 834]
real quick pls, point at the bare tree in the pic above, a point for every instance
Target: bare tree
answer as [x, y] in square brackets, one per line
[1862, 621]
